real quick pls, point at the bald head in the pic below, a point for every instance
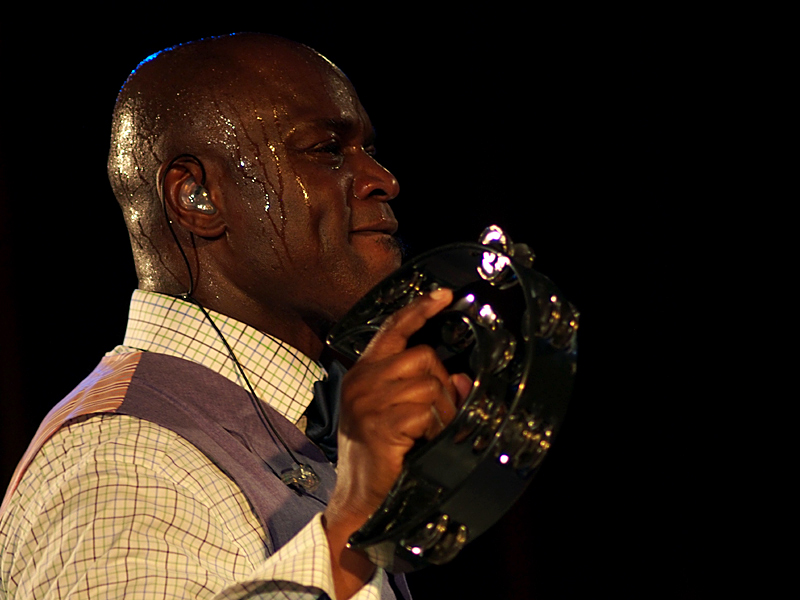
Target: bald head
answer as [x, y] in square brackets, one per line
[179, 99]
[200, 99]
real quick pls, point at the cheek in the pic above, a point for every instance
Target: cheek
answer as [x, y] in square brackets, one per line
[321, 192]
[262, 181]
[260, 168]
[284, 200]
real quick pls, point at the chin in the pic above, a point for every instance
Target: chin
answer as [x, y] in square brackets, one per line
[377, 247]
[396, 250]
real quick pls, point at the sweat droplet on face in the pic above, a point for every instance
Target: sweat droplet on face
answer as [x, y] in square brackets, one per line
[302, 189]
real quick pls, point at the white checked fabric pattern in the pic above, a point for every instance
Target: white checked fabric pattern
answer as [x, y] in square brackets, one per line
[281, 375]
[116, 507]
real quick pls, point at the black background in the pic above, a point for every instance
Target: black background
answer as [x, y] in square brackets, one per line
[582, 135]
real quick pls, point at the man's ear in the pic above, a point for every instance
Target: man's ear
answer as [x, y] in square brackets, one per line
[191, 201]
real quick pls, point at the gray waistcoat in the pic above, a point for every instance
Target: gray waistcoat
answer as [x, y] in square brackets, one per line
[218, 417]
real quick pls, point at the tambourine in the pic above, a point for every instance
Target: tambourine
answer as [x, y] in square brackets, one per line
[512, 332]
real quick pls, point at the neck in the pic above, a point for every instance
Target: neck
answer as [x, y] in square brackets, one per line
[293, 329]
[277, 316]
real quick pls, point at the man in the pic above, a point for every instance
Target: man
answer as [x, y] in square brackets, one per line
[257, 216]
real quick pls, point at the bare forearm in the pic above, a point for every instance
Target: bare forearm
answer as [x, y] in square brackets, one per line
[351, 569]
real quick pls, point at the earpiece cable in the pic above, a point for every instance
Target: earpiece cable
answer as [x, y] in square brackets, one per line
[303, 475]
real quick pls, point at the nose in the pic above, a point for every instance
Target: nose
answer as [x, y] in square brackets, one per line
[374, 182]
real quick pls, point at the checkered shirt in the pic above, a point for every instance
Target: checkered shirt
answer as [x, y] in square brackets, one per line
[116, 507]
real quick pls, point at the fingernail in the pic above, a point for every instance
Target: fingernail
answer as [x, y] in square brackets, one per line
[440, 293]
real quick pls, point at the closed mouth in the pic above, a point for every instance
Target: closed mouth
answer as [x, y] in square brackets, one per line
[385, 227]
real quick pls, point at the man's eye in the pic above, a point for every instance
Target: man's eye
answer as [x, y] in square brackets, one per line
[330, 147]
[371, 150]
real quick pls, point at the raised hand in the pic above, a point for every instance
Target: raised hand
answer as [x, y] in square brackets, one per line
[391, 397]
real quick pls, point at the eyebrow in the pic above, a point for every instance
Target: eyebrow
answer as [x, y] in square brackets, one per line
[342, 125]
[337, 123]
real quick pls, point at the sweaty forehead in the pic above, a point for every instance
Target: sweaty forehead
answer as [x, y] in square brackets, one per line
[283, 100]
[304, 88]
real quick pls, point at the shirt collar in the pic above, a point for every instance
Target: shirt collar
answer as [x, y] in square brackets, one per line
[281, 375]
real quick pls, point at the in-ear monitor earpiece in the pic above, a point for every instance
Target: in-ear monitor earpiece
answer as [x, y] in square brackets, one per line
[194, 196]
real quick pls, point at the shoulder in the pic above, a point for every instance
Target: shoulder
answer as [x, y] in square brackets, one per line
[107, 445]
[131, 475]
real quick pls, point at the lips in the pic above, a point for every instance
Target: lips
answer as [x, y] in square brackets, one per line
[385, 226]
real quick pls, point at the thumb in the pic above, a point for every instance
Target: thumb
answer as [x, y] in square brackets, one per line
[463, 385]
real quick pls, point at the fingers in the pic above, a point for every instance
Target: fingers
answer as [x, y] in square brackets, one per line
[418, 376]
[420, 360]
[398, 328]
[421, 408]
[445, 407]
[444, 399]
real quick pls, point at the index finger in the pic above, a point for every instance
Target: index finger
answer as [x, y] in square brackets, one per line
[392, 338]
